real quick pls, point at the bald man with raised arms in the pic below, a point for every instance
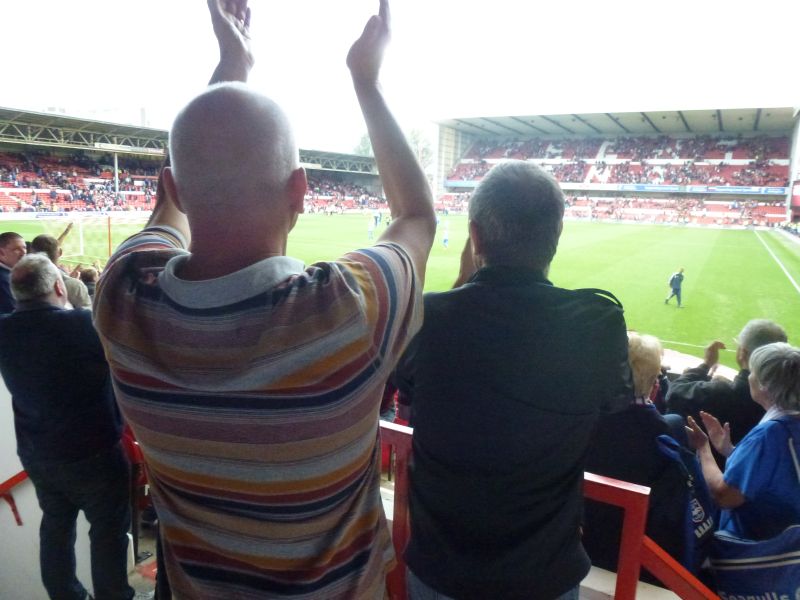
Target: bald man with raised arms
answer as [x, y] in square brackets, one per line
[251, 380]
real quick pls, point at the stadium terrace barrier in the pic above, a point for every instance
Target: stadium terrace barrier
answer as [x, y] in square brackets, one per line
[636, 549]
[5, 493]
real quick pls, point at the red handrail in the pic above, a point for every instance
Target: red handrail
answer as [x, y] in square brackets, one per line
[673, 574]
[634, 500]
[398, 437]
[636, 549]
[5, 493]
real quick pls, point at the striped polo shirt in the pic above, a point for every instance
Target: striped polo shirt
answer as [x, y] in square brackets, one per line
[255, 398]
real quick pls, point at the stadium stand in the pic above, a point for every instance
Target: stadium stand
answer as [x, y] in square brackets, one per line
[704, 180]
[44, 182]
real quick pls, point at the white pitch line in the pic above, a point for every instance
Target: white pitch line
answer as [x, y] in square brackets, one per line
[780, 264]
[691, 345]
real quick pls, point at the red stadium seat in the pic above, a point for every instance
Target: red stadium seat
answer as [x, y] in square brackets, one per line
[636, 549]
[139, 498]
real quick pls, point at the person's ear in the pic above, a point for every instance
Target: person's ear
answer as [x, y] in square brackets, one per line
[59, 289]
[169, 188]
[475, 238]
[742, 357]
[296, 190]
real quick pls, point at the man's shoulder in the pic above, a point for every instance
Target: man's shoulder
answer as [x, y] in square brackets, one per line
[544, 290]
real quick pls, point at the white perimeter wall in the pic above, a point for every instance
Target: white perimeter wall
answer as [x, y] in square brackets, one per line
[19, 546]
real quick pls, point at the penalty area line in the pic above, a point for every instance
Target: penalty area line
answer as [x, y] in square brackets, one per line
[780, 264]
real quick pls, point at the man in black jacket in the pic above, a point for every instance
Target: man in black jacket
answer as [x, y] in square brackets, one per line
[12, 248]
[730, 401]
[68, 430]
[506, 381]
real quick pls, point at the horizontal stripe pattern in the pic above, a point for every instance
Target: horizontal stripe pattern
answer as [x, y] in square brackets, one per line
[256, 411]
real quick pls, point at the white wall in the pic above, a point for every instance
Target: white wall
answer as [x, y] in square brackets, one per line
[19, 545]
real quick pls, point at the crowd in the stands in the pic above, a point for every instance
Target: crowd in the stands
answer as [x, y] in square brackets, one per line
[334, 195]
[39, 181]
[679, 209]
[635, 148]
[43, 182]
[662, 160]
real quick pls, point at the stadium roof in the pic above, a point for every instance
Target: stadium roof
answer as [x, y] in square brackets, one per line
[45, 129]
[61, 131]
[726, 120]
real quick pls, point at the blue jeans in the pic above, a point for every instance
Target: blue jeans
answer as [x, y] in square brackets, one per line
[419, 590]
[100, 487]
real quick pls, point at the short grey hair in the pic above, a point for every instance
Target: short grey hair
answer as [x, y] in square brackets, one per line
[760, 332]
[34, 277]
[518, 210]
[776, 367]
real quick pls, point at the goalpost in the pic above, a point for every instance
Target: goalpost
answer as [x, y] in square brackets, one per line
[89, 237]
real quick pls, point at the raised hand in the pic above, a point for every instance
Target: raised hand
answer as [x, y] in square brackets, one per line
[366, 54]
[697, 438]
[231, 21]
[711, 356]
[719, 435]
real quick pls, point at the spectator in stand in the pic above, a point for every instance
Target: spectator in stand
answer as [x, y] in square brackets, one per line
[759, 490]
[624, 446]
[252, 382]
[697, 389]
[77, 294]
[12, 249]
[502, 416]
[68, 431]
[89, 276]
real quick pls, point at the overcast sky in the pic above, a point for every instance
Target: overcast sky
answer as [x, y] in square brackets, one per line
[107, 59]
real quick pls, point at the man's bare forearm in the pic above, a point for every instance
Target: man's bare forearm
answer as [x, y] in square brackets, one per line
[725, 496]
[403, 180]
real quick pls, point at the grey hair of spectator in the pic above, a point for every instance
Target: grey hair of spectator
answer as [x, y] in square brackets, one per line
[644, 356]
[230, 145]
[518, 212]
[760, 332]
[776, 368]
[34, 277]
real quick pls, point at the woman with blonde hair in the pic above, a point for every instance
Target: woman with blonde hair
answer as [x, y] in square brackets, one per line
[625, 447]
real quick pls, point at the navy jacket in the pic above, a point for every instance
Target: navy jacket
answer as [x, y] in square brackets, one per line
[7, 303]
[54, 366]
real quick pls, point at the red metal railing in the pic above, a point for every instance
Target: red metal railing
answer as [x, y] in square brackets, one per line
[5, 493]
[636, 549]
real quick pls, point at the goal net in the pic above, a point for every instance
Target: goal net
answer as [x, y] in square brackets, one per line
[92, 237]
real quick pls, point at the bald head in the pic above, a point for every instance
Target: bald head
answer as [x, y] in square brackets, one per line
[230, 147]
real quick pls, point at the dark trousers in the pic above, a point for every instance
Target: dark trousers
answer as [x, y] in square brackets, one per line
[99, 486]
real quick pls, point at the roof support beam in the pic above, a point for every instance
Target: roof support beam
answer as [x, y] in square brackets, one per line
[530, 125]
[585, 122]
[653, 125]
[616, 122]
[557, 124]
[496, 124]
[719, 120]
[478, 127]
[758, 118]
[685, 122]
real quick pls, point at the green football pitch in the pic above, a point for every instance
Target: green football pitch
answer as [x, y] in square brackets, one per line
[731, 275]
